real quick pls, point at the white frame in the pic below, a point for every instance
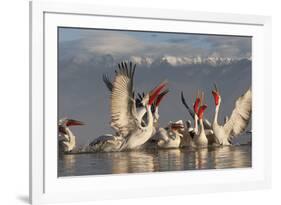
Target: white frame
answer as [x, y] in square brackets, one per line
[46, 187]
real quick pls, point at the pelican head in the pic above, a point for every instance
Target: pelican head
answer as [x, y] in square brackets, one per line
[201, 111]
[64, 123]
[196, 103]
[216, 95]
[175, 129]
[150, 97]
[177, 126]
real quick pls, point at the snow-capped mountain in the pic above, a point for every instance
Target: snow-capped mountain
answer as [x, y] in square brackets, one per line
[184, 60]
[79, 56]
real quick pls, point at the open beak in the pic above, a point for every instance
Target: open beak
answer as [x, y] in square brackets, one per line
[72, 122]
[176, 126]
[196, 104]
[201, 111]
[216, 94]
[155, 92]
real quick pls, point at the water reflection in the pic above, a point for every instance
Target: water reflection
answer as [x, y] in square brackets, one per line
[155, 160]
[132, 162]
[230, 156]
[172, 159]
[201, 158]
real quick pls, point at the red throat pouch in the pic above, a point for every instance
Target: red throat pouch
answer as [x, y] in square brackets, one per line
[201, 111]
[155, 93]
[196, 105]
[216, 97]
[71, 122]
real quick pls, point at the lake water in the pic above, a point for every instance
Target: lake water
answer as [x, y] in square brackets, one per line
[155, 160]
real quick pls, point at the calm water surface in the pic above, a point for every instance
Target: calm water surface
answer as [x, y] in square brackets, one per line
[155, 160]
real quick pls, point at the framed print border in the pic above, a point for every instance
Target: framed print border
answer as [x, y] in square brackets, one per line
[46, 187]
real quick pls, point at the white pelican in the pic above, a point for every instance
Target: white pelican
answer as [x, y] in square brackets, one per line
[154, 108]
[171, 136]
[141, 111]
[131, 132]
[67, 140]
[206, 124]
[238, 121]
[123, 109]
[200, 138]
[155, 112]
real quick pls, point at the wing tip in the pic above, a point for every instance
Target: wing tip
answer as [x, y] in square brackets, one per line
[126, 68]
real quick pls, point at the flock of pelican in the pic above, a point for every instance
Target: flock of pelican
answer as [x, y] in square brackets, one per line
[135, 119]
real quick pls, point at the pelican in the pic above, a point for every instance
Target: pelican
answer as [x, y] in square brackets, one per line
[67, 140]
[155, 112]
[200, 138]
[193, 113]
[154, 108]
[171, 136]
[125, 120]
[141, 111]
[238, 121]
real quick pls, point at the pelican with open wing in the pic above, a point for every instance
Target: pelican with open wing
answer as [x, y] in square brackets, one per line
[125, 120]
[238, 121]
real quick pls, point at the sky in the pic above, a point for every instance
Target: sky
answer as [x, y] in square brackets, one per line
[189, 62]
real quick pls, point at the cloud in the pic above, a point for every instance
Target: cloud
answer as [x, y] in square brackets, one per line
[124, 44]
[230, 46]
[114, 44]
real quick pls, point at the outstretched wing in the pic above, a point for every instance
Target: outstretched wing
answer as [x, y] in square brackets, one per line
[240, 116]
[107, 82]
[109, 86]
[191, 112]
[206, 123]
[123, 107]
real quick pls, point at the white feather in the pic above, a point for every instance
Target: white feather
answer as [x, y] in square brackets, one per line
[240, 116]
[123, 108]
[237, 122]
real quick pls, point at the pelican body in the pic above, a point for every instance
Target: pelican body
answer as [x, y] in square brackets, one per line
[238, 121]
[67, 140]
[200, 138]
[170, 137]
[106, 143]
[131, 132]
